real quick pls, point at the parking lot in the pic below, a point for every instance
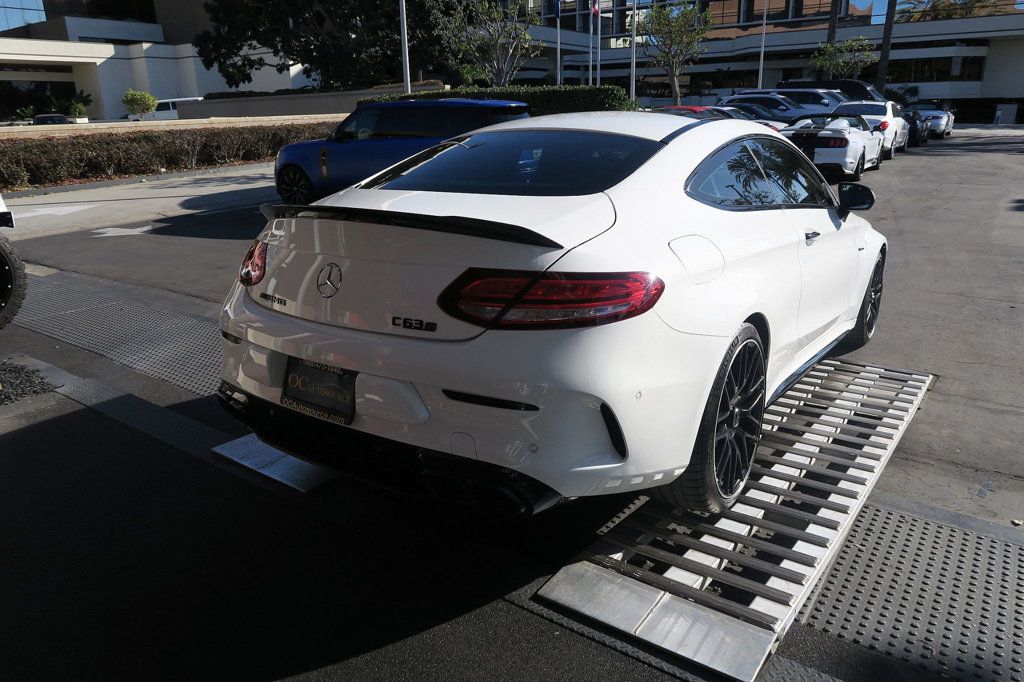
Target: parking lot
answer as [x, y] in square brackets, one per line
[133, 550]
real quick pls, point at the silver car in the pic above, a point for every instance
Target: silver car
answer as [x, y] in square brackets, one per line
[940, 122]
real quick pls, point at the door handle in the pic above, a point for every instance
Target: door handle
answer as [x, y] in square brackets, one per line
[811, 237]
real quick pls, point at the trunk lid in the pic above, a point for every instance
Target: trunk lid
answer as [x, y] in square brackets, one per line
[377, 260]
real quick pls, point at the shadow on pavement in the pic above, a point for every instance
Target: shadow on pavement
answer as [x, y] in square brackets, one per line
[124, 558]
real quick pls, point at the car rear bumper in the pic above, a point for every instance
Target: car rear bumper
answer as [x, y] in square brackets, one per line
[583, 412]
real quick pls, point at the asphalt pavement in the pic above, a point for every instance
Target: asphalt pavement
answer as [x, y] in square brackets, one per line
[125, 557]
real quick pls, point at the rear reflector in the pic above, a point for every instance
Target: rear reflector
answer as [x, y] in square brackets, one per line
[254, 265]
[515, 299]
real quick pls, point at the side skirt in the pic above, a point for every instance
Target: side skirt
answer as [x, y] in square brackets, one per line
[804, 369]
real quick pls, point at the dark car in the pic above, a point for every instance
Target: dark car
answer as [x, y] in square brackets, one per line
[919, 128]
[51, 120]
[378, 135]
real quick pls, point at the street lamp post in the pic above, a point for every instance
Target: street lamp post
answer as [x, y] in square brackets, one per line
[760, 65]
[405, 48]
[632, 58]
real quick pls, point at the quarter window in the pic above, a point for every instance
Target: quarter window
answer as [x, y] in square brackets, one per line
[730, 178]
[793, 180]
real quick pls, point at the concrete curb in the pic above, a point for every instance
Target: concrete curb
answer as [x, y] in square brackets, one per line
[58, 189]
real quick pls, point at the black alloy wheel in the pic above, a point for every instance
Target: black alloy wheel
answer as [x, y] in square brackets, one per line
[740, 411]
[294, 186]
[873, 304]
[12, 282]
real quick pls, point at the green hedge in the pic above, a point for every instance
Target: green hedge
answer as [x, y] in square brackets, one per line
[30, 162]
[543, 99]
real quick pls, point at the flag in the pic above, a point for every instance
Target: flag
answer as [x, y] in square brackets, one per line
[595, 7]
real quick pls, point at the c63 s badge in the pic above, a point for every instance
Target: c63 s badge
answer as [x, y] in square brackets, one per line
[276, 300]
[410, 323]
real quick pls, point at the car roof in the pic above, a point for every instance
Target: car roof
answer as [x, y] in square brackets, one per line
[445, 102]
[650, 125]
[862, 101]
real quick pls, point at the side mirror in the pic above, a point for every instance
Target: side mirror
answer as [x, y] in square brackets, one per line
[783, 107]
[877, 129]
[6, 219]
[854, 196]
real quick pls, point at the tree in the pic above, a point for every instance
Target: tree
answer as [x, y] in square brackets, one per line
[675, 31]
[346, 43]
[930, 10]
[883, 59]
[846, 59]
[138, 102]
[498, 34]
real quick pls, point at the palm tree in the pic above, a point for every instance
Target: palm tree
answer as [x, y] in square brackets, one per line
[883, 59]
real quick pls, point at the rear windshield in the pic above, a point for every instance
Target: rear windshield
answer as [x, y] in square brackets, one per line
[861, 109]
[522, 162]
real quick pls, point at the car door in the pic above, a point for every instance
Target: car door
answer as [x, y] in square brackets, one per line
[758, 244]
[829, 252]
[369, 141]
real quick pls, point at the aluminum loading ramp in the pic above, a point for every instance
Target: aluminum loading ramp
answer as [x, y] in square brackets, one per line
[722, 591]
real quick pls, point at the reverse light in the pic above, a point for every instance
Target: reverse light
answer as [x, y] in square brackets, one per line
[515, 299]
[254, 265]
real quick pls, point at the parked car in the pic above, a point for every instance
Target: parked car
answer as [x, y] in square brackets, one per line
[782, 108]
[166, 110]
[696, 112]
[12, 272]
[376, 136]
[854, 90]
[759, 113]
[838, 145]
[887, 116]
[51, 120]
[736, 112]
[939, 121]
[535, 311]
[809, 98]
[919, 128]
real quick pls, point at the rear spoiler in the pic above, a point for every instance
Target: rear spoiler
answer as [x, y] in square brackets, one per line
[473, 227]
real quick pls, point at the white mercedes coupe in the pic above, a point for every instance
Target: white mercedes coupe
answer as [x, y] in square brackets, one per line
[553, 307]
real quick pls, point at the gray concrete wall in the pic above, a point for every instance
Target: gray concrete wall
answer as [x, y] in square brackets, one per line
[283, 105]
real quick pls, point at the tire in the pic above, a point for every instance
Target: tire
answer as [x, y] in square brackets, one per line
[12, 282]
[859, 170]
[878, 161]
[867, 317]
[730, 430]
[889, 153]
[294, 186]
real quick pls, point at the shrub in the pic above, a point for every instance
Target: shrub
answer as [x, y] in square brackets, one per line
[76, 109]
[60, 160]
[138, 102]
[543, 99]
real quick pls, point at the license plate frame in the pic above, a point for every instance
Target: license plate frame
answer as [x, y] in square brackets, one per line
[320, 390]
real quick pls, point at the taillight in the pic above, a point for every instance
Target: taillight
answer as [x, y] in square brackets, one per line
[254, 265]
[833, 142]
[514, 299]
[883, 126]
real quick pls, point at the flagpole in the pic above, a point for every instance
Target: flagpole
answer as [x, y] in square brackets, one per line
[599, 42]
[405, 48]
[558, 42]
[632, 58]
[590, 66]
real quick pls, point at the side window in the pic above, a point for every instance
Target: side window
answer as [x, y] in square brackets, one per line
[792, 178]
[163, 106]
[731, 178]
[360, 125]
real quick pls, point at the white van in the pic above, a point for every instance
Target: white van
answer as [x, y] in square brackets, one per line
[166, 110]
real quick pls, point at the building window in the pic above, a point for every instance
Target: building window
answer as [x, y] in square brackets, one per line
[933, 70]
[15, 13]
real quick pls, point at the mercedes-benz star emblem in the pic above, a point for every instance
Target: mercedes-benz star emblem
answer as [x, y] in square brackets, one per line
[328, 282]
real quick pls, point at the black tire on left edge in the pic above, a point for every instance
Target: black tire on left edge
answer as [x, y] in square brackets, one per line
[12, 282]
[730, 430]
[867, 318]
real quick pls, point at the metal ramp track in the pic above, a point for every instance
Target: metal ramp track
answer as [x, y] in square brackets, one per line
[722, 591]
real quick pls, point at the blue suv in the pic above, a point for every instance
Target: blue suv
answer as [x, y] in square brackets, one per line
[379, 135]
